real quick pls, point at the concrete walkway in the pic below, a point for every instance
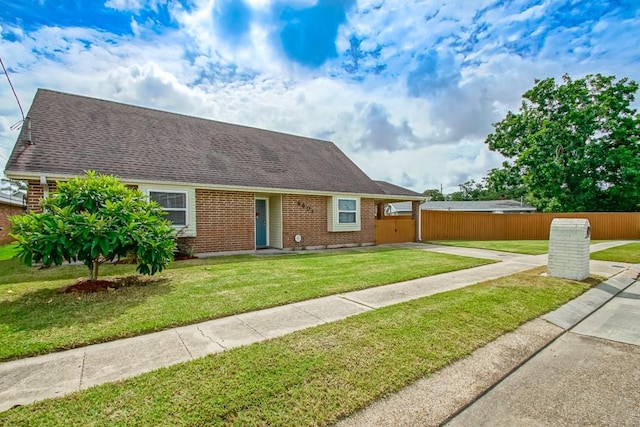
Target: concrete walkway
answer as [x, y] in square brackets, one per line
[27, 380]
[588, 376]
[578, 365]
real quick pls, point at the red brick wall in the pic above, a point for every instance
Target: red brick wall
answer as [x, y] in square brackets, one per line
[35, 193]
[307, 216]
[6, 211]
[225, 221]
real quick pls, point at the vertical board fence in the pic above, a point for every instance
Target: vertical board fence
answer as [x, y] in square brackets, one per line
[395, 229]
[449, 225]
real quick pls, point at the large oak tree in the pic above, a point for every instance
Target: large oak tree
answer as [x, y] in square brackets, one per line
[572, 146]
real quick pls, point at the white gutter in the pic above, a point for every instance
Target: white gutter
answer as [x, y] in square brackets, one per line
[45, 186]
[265, 190]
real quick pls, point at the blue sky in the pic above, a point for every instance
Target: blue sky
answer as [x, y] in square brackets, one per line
[407, 89]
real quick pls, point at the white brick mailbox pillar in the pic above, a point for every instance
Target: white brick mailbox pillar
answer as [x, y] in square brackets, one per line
[569, 241]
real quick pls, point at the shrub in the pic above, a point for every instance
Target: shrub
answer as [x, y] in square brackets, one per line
[96, 219]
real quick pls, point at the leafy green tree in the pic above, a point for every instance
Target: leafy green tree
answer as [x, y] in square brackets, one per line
[434, 195]
[96, 219]
[472, 190]
[506, 182]
[574, 145]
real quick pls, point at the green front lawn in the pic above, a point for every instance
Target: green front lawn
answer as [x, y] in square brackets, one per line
[36, 317]
[626, 253]
[528, 247]
[315, 376]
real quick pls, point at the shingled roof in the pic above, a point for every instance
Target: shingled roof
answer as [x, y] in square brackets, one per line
[394, 190]
[479, 206]
[72, 133]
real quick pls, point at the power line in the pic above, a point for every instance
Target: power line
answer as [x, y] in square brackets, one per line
[6, 73]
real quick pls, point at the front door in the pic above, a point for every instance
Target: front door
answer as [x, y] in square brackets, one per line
[261, 223]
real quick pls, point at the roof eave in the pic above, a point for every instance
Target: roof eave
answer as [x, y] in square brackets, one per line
[62, 177]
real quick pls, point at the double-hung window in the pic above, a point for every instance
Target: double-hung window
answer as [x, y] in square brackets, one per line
[343, 213]
[174, 204]
[347, 211]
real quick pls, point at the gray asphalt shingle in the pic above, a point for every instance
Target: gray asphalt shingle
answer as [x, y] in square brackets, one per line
[72, 133]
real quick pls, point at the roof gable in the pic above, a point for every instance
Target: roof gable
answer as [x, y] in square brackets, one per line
[73, 133]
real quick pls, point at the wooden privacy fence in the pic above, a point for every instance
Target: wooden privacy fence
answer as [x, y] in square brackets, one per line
[395, 229]
[448, 225]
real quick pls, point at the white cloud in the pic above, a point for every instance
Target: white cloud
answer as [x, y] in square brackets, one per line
[136, 5]
[431, 139]
[130, 5]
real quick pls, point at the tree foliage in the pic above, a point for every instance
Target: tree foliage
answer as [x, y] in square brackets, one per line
[433, 195]
[472, 190]
[96, 219]
[572, 146]
[506, 183]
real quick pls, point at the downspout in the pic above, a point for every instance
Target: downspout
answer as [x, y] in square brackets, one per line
[45, 187]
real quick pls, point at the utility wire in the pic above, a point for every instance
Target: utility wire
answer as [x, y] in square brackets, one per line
[6, 73]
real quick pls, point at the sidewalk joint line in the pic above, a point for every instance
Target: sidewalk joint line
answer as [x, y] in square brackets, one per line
[84, 358]
[183, 344]
[344, 297]
[310, 314]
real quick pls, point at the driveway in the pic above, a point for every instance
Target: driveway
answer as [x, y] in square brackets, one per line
[588, 376]
[578, 365]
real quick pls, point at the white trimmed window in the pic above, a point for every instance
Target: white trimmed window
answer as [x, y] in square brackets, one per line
[347, 211]
[174, 203]
[343, 214]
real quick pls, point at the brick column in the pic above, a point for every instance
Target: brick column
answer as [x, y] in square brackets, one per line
[415, 214]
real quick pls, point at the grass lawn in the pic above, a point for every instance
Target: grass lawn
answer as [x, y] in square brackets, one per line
[315, 376]
[7, 251]
[528, 247]
[38, 318]
[626, 253]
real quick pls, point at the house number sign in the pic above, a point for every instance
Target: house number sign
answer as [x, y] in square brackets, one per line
[305, 206]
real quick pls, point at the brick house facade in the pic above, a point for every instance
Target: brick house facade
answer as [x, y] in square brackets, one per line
[226, 220]
[311, 224]
[225, 187]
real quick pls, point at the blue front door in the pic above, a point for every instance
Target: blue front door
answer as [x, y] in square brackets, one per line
[261, 223]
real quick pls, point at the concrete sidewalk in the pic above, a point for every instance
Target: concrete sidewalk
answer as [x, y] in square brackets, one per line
[27, 380]
[539, 374]
[588, 376]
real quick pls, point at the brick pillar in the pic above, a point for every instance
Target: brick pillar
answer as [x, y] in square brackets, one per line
[415, 214]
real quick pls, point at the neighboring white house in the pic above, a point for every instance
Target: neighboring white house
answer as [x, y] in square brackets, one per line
[494, 206]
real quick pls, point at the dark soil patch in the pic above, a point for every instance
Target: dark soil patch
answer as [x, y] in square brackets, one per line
[183, 257]
[87, 286]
